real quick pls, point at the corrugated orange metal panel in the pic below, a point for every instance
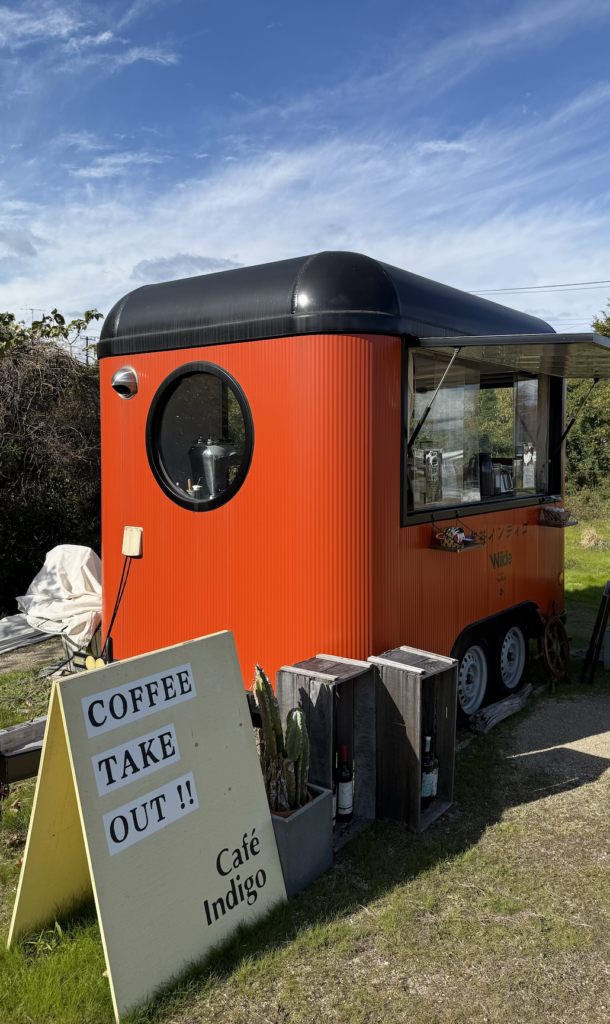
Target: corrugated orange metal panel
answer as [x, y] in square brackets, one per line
[309, 555]
[285, 563]
[425, 598]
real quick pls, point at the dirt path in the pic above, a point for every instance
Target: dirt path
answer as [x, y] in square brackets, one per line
[568, 739]
[31, 657]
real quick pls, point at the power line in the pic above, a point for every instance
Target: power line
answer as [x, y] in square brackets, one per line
[571, 286]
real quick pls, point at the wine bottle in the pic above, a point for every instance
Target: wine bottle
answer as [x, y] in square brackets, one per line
[434, 775]
[345, 803]
[429, 779]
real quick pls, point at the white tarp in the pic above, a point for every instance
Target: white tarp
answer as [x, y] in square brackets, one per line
[15, 631]
[66, 595]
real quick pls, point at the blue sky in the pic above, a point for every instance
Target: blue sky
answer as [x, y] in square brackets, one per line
[466, 141]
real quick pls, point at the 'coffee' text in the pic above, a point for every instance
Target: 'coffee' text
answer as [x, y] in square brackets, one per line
[132, 701]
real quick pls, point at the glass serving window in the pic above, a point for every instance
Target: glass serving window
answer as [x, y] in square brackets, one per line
[485, 437]
[199, 437]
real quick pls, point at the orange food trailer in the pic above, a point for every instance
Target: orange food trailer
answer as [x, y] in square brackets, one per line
[297, 441]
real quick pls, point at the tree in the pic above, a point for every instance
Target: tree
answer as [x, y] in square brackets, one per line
[49, 447]
[588, 443]
[53, 327]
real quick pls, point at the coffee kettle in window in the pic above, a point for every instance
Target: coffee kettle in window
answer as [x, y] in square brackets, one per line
[210, 463]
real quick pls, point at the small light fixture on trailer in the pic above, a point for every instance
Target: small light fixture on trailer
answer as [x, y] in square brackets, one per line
[125, 382]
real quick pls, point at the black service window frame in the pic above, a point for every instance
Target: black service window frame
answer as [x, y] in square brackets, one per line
[162, 395]
[440, 513]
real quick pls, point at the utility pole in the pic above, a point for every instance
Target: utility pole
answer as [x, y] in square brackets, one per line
[88, 346]
[31, 311]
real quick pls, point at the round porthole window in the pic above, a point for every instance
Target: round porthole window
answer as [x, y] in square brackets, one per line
[199, 436]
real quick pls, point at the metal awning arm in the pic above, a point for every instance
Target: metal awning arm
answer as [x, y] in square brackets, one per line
[424, 416]
[572, 421]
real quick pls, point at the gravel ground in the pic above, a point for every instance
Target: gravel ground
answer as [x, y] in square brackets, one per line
[567, 738]
[31, 657]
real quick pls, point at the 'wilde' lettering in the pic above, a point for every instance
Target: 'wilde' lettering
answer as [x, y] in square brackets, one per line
[501, 558]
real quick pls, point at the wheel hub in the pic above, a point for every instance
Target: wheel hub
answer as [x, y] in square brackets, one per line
[512, 658]
[472, 679]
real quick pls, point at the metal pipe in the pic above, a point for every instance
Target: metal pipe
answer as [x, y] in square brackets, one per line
[424, 417]
[572, 422]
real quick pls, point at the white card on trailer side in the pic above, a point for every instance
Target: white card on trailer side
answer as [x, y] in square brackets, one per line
[151, 893]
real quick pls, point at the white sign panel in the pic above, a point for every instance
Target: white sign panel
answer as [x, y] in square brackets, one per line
[122, 705]
[143, 817]
[166, 823]
[146, 754]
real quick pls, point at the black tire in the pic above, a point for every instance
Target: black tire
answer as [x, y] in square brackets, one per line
[474, 676]
[510, 659]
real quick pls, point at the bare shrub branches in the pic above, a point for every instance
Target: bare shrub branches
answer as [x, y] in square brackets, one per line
[49, 456]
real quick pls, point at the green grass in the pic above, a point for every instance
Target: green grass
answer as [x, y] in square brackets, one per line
[22, 696]
[499, 913]
[56, 975]
[587, 571]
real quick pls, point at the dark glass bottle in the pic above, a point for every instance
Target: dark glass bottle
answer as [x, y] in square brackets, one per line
[345, 800]
[429, 779]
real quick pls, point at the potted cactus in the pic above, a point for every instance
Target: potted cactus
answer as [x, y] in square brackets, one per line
[301, 813]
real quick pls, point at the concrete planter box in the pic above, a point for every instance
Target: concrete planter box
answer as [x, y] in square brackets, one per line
[305, 841]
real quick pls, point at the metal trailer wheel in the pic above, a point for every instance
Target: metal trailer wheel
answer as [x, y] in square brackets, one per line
[511, 659]
[473, 676]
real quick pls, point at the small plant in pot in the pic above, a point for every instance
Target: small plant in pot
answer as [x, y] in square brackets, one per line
[284, 761]
[302, 813]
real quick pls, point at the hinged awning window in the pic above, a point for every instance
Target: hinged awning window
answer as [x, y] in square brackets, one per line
[559, 355]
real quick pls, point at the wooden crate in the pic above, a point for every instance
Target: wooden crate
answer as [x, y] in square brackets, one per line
[416, 696]
[20, 750]
[337, 696]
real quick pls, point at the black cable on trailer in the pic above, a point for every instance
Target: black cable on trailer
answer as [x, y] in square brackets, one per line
[107, 648]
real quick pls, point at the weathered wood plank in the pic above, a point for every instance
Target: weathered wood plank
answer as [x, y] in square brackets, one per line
[446, 710]
[287, 690]
[320, 730]
[365, 745]
[335, 715]
[485, 719]
[416, 697]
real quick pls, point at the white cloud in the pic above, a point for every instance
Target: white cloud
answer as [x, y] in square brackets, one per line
[112, 62]
[417, 66]
[454, 213]
[137, 10]
[494, 205]
[76, 44]
[171, 268]
[115, 163]
[15, 243]
[82, 140]
[42, 21]
[34, 22]
[441, 146]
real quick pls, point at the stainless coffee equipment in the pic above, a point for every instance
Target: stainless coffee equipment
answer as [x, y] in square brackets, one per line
[210, 463]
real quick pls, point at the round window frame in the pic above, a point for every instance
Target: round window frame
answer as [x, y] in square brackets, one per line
[158, 405]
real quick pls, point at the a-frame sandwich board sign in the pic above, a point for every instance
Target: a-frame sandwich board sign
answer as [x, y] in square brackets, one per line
[150, 795]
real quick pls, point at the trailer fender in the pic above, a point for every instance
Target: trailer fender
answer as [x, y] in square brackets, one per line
[494, 626]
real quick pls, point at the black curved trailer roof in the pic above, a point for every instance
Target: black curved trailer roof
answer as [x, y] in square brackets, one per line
[327, 293]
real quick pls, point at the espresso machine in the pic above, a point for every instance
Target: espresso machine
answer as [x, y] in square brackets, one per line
[210, 463]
